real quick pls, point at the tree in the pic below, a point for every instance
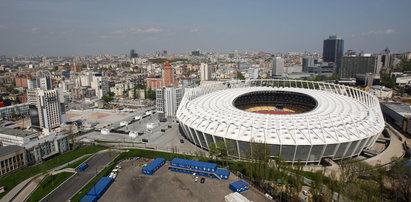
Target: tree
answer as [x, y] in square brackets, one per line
[400, 180]
[150, 94]
[106, 98]
[240, 76]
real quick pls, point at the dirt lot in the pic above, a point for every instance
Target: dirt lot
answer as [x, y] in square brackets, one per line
[164, 185]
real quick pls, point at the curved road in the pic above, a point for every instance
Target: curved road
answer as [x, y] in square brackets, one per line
[74, 184]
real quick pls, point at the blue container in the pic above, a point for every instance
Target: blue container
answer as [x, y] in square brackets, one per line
[239, 186]
[152, 167]
[193, 165]
[82, 167]
[100, 187]
[88, 198]
[224, 174]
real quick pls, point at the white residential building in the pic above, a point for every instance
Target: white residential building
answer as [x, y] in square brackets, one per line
[205, 72]
[278, 67]
[168, 99]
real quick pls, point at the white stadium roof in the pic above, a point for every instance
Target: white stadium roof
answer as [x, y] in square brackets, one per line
[338, 117]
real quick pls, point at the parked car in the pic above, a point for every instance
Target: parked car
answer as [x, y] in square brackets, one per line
[196, 179]
[202, 180]
[181, 141]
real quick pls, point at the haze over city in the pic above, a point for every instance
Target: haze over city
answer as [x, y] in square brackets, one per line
[65, 28]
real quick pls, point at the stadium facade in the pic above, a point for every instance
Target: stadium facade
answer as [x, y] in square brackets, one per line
[301, 121]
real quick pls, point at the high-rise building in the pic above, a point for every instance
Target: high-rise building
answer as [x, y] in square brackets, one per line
[100, 85]
[168, 75]
[385, 58]
[308, 62]
[359, 64]
[278, 67]
[168, 99]
[43, 80]
[46, 110]
[195, 53]
[333, 50]
[205, 72]
[133, 54]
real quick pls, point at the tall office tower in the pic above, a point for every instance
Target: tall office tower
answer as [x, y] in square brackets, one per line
[46, 110]
[168, 75]
[133, 54]
[333, 50]
[195, 53]
[278, 67]
[205, 72]
[43, 80]
[168, 99]
[100, 85]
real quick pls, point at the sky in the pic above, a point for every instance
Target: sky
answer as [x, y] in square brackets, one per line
[90, 27]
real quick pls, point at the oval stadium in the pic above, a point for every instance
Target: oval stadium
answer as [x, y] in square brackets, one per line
[301, 121]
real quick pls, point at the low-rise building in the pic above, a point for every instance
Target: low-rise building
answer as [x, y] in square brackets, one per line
[397, 113]
[10, 136]
[12, 158]
[381, 92]
[38, 148]
[14, 110]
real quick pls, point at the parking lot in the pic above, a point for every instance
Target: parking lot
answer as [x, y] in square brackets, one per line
[164, 185]
[165, 141]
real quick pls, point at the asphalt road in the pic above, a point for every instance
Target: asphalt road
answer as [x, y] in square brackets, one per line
[74, 184]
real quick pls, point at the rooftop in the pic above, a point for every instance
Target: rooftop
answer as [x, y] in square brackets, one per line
[399, 107]
[9, 149]
[16, 132]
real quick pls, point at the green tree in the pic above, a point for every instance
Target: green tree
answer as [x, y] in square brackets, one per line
[107, 99]
[387, 80]
[240, 76]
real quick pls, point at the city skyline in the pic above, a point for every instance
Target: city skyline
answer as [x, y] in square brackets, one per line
[94, 27]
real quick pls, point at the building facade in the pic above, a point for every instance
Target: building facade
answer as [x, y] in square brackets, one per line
[333, 50]
[278, 67]
[167, 100]
[205, 72]
[362, 64]
[12, 158]
[46, 110]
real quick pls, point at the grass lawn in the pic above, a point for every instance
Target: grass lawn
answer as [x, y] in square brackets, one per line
[47, 185]
[15, 178]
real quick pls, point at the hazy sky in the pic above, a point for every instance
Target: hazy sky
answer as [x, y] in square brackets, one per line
[87, 27]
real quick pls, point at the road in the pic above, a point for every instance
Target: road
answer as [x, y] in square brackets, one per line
[74, 184]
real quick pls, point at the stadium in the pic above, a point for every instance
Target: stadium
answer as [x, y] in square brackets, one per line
[301, 121]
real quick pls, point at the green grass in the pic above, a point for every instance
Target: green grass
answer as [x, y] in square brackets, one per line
[77, 163]
[15, 178]
[48, 184]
